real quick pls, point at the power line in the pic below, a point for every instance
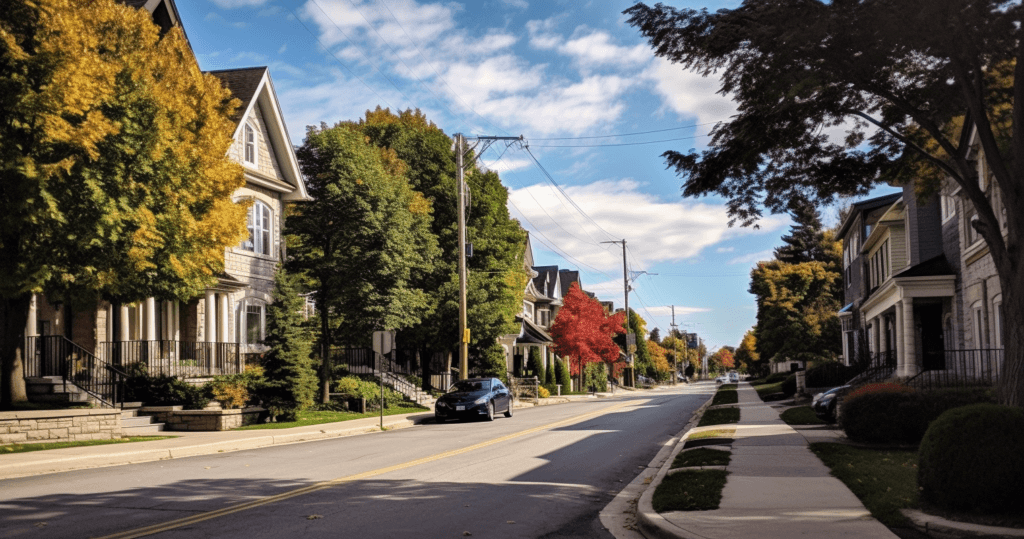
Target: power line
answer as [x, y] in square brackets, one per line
[566, 195]
[631, 134]
[618, 144]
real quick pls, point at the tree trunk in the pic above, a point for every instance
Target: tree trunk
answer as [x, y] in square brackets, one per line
[13, 317]
[325, 358]
[1011, 386]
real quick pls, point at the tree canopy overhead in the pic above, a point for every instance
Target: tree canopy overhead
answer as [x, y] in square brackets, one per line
[909, 85]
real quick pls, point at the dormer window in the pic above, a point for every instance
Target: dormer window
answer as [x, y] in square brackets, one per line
[250, 145]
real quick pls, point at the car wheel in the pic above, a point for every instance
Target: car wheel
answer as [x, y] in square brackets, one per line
[490, 411]
[438, 418]
[508, 413]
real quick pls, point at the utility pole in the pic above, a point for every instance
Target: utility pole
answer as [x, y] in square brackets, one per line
[625, 290]
[675, 352]
[460, 142]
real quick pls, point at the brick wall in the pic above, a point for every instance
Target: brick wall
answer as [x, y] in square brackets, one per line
[59, 426]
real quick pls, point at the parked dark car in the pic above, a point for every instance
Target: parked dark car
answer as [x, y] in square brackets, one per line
[475, 397]
[824, 404]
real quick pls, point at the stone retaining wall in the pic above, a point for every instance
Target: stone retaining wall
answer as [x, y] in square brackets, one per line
[174, 418]
[40, 426]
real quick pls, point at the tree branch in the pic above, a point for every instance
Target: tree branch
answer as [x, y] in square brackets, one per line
[924, 153]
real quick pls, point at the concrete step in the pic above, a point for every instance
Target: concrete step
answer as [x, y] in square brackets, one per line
[140, 421]
[142, 430]
[61, 398]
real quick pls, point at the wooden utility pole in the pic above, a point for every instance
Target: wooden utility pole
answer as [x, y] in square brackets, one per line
[675, 351]
[461, 201]
[625, 291]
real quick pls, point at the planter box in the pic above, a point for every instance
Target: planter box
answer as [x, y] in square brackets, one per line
[174, 418]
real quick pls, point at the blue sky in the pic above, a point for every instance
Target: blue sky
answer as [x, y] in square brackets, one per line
[554, 71]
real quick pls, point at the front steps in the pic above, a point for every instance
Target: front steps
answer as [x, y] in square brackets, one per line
[133, 424]
[53, 390]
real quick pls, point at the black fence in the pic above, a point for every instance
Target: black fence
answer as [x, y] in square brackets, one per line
[432, 369]
[876, 367]
[961, 368]
[55, 355]
[181, 359]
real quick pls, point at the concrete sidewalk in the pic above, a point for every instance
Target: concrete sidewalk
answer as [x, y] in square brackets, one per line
[189, 444]
[776, 488]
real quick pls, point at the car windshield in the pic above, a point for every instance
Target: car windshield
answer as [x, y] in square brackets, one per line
[468, 386]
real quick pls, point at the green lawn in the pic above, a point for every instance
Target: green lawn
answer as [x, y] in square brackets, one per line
[725, 395]
[714, 433]
[885, 481]
[701, 456]
[25, 448]
[720, 416]
[690, 490]
[768, 389]
[310, 417]
[801, 415]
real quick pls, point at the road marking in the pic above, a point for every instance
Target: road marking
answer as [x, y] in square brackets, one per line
[167, 526]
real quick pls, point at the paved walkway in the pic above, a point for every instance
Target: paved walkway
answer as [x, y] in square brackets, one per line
[776, 488]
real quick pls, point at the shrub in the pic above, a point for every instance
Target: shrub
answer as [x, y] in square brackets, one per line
[536, 365]
[828, 374]
[595, 376]
[789, 385]
[562, 375]
[776, 377]
[970, 459]
[355, 387]
[491, 362]
[893, 413]
[291, 380]
[238, 390]
[163, 390]
[543, 392]
[549, 376]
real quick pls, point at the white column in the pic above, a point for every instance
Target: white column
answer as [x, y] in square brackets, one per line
[544, 359]
[108, 333]
[32, 323]
[150, 320]
[210, 330]
[175, 321]
[123, 333]
[222, 319]
[910, 366]
[901, 352]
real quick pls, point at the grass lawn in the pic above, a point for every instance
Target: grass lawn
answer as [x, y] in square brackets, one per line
[25, 448]
[720, 416]
[801, 415]
[714, 433]
[726, 395]
[310, 417]
[702, 457]
[768, 389]
[885, 481]
[690, 490]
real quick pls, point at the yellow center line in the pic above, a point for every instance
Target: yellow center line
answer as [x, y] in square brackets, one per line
[166, 526]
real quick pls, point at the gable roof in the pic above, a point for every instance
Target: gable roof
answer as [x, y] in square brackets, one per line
[252, 86]
[568, 277]
[929, 268]
[866, 205]
[546, 280]
[171, 13]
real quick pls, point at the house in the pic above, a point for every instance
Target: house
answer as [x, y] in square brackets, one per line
[213, 333]
[922, 296]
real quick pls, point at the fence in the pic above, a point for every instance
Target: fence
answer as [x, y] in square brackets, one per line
[525, 389]
[181, 359]
[55, 355]
[962, 368]
[879, 366]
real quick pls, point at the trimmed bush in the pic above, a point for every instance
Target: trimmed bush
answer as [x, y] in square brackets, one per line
[562, 375]
[970, 459]
[163, 390]
[776, 377]
[789, 385]
[536, 365]
[828, 374]
[890, 413]
[356, 387]
[595, 377]
[543, 392]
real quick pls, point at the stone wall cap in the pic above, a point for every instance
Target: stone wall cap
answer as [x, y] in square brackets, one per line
[160, 408]
[53, 414]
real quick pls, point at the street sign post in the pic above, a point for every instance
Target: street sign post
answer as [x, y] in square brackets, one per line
[383, 344]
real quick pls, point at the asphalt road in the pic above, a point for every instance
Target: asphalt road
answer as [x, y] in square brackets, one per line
[546, 472]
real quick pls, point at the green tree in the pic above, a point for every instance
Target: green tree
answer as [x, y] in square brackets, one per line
[361, 240]
[747, 357]
[549, 375]
[562, 375]
[805, 241]
[288, 365]
[536, 364]
[918, 72]
[655, 336]
[492, 362]
[496, 276]
[115, 174]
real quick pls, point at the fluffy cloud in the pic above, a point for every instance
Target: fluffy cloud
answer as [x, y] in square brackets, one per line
[754, 258]
[688, 94]
[231, 4]
[657, 231]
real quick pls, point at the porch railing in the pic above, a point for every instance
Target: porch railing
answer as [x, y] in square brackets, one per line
[961, 368]
[55, 355]
[181, 359]
[877, 367]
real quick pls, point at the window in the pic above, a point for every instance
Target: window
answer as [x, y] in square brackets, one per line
[527, 311]
[252, 322]
[978, 319]
[259, 224]
[250, 145]
[997, 323]
[948, 204]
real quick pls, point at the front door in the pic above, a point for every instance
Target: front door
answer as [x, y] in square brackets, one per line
[932, 349]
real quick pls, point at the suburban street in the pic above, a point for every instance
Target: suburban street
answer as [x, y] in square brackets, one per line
[546, 472]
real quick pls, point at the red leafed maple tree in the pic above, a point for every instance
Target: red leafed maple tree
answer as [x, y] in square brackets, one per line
[724, 358]
[583, 334]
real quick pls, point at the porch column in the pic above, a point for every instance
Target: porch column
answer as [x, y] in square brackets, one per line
[910, 366]
[109, 332]
[901, 352]
[544, 360]
[210, 308]
[149, 324]
[122, 325]
[222, 315]
[31, 324]
[175, 321]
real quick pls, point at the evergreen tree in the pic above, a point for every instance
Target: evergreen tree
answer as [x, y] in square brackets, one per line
[492, 362]
[536, 365]
[805, 242]
[549, 374]
[289, 365]
[655, 336]
[562, 375]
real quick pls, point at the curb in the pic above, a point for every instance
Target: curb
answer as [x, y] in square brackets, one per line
[72, 463]
[650, 522]
[933, 525]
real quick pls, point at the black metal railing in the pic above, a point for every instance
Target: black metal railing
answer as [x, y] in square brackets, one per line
[877, 367]
[55, 355]
[181, 359]
[961, 368]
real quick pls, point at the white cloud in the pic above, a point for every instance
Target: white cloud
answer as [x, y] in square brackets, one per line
[216, 17]
[688, 94]
[754, 258]
[520, 4]
[725, 249]
[282, 49]
[231, 4]
[597, 49]
[666, 310]
[656, 231]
